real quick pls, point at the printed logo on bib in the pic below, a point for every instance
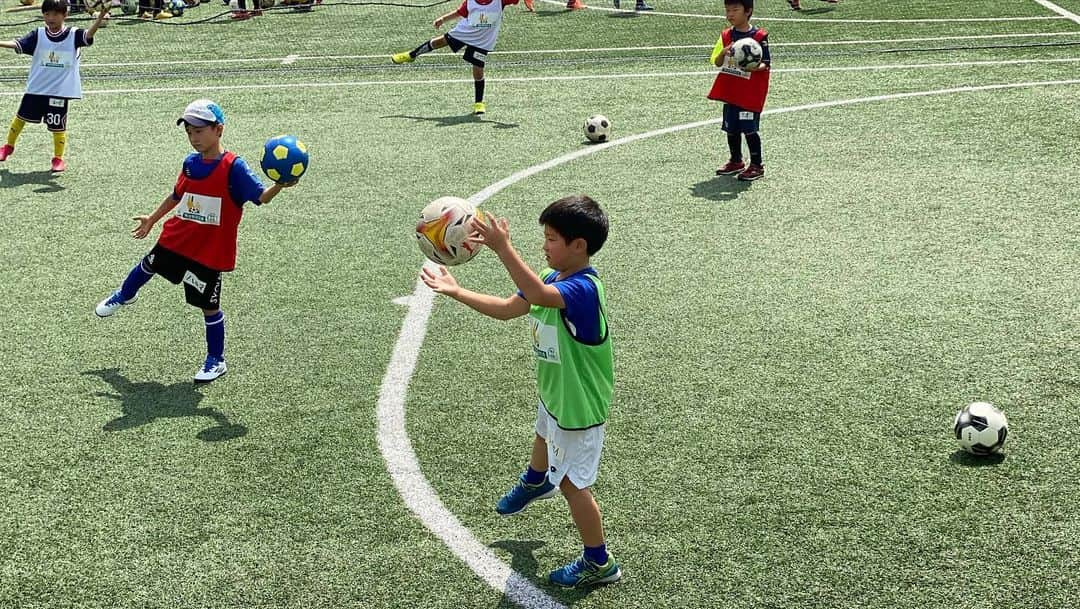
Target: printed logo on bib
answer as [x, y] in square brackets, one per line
[480, 21]
[200, 208]
[56, 102]
[56, 59]
[195, 282]
[545, 341]
[731, 68]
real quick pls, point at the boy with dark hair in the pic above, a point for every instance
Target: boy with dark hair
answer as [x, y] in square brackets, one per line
[743, 91]
[476, 34]
[574, 368]
[54, 78]
[198, 243]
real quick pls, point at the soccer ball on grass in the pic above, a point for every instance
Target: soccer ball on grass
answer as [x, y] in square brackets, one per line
[980, 428]
[597, 128]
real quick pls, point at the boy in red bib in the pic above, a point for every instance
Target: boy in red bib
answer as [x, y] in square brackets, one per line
[743, 91]
[198, 243]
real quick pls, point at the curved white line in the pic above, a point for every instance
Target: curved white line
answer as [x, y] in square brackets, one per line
[394, 443]
[812, 20]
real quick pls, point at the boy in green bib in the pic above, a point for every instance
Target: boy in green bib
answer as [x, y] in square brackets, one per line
[574, 370]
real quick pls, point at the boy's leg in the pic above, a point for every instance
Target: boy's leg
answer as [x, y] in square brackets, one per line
[478, 90]
[734, 139]
[595, 565]
[214, 319]
[129, 290]
[426, 47]
[532, 485]
[59, 145]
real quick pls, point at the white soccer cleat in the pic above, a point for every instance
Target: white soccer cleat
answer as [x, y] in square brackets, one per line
[109, 306]
[212, 369]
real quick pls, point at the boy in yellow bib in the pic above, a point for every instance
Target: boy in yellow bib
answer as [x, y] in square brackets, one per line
[574, 369]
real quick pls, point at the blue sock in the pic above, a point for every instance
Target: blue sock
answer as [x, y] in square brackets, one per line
[533, 477]
[597, 555]
[215, 335]
[136, 279]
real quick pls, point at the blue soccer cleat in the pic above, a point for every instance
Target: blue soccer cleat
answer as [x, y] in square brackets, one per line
[583, 572]
[521, 495]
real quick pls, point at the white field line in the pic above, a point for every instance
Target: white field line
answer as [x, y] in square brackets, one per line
[291, 59]
[1057, 9]
[525, 79]
[822, 20]
[394, 443]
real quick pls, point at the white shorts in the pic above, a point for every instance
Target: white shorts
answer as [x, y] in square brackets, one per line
[572, 454]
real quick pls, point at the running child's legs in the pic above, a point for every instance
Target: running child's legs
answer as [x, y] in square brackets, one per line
[478, 83]
[15, 130]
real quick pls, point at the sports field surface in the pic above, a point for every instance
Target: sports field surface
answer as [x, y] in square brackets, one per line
[789, 352]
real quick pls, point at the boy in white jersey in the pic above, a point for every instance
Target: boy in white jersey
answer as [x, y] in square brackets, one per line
[574, 369]
[476, 33]
[54, 76]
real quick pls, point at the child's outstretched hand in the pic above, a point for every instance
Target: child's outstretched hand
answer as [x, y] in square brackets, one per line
[440, 283]
[492, 232]
[143, 229]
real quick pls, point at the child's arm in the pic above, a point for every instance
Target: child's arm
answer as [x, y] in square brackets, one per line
[269, 194]
[496, 235]
[492, 306]
[147, 222]
[7, 44]
[451, 16]
[104, 14]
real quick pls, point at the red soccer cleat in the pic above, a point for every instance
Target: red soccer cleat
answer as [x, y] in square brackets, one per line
[794, 4]
[529, 6]
[752, 172]
[5, 151]
[58, 164]
[573, 5]
[731, 168]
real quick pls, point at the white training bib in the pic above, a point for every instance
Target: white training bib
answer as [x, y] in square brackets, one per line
[481, 28]
[54, 68]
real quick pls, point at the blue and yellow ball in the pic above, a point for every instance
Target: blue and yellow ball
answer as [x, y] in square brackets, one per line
[176, 7]
[285, 159]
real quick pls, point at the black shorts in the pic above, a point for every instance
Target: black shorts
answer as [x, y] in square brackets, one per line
[53, 110]
[202, 285]
[473, 55]
[740, 120]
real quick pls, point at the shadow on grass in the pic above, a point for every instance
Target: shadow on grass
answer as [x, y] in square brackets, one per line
[142, 403]
[720, 188]
[961, 457]
[457, 119]
[44, 178]
[526, 568]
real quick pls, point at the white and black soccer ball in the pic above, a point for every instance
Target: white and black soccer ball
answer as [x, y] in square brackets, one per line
[980, 428]
[443, 230]
[597, 128]
[747, 53]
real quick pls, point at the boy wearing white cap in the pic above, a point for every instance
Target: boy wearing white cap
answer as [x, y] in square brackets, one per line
[198, 243]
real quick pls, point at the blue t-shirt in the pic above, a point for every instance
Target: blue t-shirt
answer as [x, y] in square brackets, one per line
[28, 43]
[244, 185]
[582, 312]
[766, 58]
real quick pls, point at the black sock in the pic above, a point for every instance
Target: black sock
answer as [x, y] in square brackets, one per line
[734, 143]
[478, 88]
[420, 50]
[753, 142]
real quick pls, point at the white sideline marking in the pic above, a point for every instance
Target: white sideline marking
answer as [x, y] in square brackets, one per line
[394, 443]
[823, 20]
[290, 59]
[1057, 9]
[443, 81]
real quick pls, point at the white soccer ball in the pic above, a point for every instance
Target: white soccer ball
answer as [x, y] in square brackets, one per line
[980, 428]
[597, 128]
[747, 53]
[443, 230]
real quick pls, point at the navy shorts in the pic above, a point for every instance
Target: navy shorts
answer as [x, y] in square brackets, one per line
[473, 55]
[738, 120]
[202, 285]
[53, 110]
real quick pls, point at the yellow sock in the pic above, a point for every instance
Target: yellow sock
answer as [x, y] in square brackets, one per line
[13, 133]
[59, 142]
